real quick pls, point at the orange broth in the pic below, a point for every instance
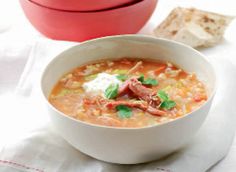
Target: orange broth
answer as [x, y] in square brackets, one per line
[70, 97]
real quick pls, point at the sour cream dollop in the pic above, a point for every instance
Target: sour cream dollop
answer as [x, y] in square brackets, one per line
[98, 85]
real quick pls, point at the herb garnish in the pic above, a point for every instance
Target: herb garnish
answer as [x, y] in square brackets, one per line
[112, 91]
[124, 111]
[148, 81]
[141, 78]
[166, 103]
[163, 95]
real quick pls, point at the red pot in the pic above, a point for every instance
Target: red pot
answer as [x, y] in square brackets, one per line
[82, 5]
[80, 26]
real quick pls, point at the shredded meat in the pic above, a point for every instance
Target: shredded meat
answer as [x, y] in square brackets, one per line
[136, 104]
[149, 102]
[135, 67]
[124, 88]
[155, 111]
[133, 104]
[139, 91]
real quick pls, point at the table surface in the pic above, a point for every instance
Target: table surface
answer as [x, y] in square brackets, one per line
[17, 36]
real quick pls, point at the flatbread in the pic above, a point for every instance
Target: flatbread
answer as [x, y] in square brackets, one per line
[193, 27]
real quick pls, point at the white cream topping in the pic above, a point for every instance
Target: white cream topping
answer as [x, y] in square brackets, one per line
[100, 83]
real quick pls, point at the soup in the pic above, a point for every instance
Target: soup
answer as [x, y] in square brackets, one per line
[128, 93]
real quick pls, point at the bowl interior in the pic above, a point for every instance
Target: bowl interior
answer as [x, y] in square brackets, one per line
[129, 46]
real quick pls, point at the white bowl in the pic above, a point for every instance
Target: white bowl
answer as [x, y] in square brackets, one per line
[129, 145]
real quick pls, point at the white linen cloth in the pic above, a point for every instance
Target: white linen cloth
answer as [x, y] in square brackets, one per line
[42, 150]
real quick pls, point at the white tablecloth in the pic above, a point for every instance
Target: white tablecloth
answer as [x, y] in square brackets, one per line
[16, 44]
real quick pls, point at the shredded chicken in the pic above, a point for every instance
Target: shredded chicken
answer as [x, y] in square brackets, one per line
[137, 104]
[124, 88]
[155, 111]
[149, 102]
[135, 67]
[139, 91]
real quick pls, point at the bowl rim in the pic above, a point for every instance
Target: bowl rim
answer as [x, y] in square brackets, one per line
[120, 5]
[127, 36]
[92, 11]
